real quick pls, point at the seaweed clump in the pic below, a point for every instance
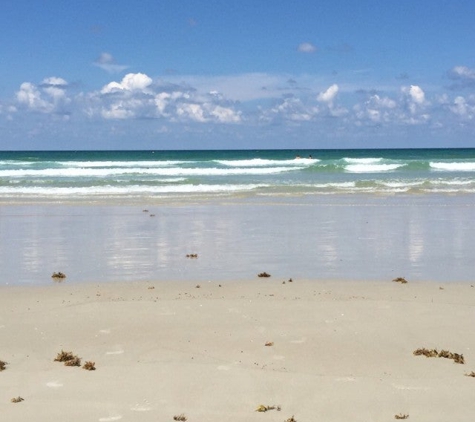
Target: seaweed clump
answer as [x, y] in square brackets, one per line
[89, 366]
[58, 276]
[68, 358]
[401, 280]
[264, 274]
[433, 353]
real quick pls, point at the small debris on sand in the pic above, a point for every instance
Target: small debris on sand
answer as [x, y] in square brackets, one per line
[192, 255]
[181, 417]
[263, 408]
[89, 366]
[58, 276]
[2, 365]
[264, 274]
[17, 399]
[472, 374]
[401, 416]
[269, 343]
[401, 280]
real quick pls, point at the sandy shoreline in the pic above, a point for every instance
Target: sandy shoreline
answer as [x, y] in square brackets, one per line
[341, 351]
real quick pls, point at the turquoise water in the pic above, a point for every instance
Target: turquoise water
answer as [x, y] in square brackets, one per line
[146, 175]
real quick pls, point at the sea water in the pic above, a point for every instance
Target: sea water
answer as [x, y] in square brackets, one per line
[104, 176]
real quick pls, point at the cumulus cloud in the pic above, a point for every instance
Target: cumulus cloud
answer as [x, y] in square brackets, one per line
[48, 97]
[463, 108]
[329, 95]
[376, 109]
[463, 76]
[130, 82]
[415, 103]
[306, 47]
[138, 96]
[107, 62]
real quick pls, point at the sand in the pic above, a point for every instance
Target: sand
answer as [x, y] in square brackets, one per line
[339, 351]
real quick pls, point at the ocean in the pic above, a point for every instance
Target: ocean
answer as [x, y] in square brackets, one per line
[105, 176]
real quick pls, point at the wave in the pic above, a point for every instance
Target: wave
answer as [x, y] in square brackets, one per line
[258, 162]
[175, 171]
[112, 164]
[453, 166]
[362, 160]
[371, 168]
[125, 190]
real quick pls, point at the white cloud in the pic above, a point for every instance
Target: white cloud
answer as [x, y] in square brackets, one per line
[462, 108]
[329, 95]
[48, 97]
[130, 82]
[306, 47]
[106, 62]
[417, 94]
[463, 72]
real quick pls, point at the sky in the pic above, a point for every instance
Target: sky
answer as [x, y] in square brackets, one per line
[184, 74]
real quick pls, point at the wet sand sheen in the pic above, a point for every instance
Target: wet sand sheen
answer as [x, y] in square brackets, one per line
[340, 237]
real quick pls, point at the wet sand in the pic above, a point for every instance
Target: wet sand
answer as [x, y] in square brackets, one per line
[337, 351]
[424, 238]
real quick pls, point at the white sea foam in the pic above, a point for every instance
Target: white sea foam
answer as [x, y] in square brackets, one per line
[362, 160]
[174, 171]
[371, 168]
[464, 166]
[259, 162]
[124, 190]
[93, 164]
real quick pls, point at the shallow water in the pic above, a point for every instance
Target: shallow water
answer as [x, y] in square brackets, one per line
[356, 237]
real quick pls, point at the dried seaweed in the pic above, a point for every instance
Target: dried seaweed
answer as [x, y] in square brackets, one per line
[58, 276]
[264, 408]
[433, 353]
[401, 280]
[89, 366]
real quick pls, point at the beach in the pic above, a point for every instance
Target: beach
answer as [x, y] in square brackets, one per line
[159, 290]
[315, 349]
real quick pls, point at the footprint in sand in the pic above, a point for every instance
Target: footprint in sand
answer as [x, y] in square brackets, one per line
[110, 418]
[115, 352]
[54, 384]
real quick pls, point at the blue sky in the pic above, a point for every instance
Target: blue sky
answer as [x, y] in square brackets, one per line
[116, 74]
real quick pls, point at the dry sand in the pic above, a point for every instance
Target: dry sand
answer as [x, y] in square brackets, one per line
[342, 351]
